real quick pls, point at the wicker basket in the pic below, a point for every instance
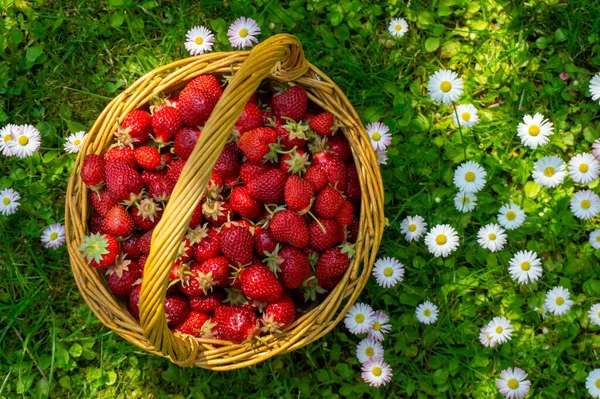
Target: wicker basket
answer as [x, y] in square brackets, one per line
[280, 57]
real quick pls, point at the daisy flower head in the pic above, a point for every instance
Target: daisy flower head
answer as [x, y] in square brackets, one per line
[595, 87]
[535, 130]
[382, 157]
[74, 142]
[427, 313]
[442, 240]
[485, 337]
[445, 86]
[465, 202]
[398, 27]
[388, 272]
[25, 142]
[558, 301]
[543, 311]
[492, 237]
[525, 267]
[9, 201]
[199, 40]
[595, 239]
[413, 227]
[367, 349]
[585, 204]
[592, 383]
[469, 177]
[54, 236]
[465, 115]
[594, 314]
[584, 168]
[511, 216]
[500, 329]
[376, 372]
[596, 149]
[513, 384]
[242, 32]
[379, 134]
[8, 133]
[380, 327]
[360, 318]
[549, 171]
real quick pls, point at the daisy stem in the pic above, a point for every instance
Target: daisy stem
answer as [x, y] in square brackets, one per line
[462, 141]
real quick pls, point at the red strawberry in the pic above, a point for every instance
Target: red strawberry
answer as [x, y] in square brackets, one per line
[185, 141]
[185, 252]
[195, 106]
[242, 203]
[255, 144]
[328, 284]
[122, 277]
[216, 212]
[291, 103]
[102, 201]
[334, 262]
[279, 315]
[299, 194]
[196, 216]
[263, 241]
[118, 222]
[291, 134]
[328, 202]
[353, 231]
[147, 214]
[323, 124]
[294, 163]
[353, 190]
[268, 187]
[129, 247]
[323, 240]
[121, 153]
[167, 158]
[237, 244]
[148, 176]
[290, 228]
[334, 168]
[207, 303]
[161, 188]
[166, 122]
[122, 180]
[96, 224]
[174, 169]
[176, 310]
[92, 171]
[207, 243]
[215, 272]
[235, 323]
[339, 145]
[251, 118]
[208, 84]
[142, 262]
[316, 177]
[138, 126]
[249, 171]
[192, 281]
[214, 186]
[147, 157]
[143, 243]
[345, 214]
[99, 250]
[194, 324]
[261, 284]
[134, 301]
[295, 267]
[228, 164]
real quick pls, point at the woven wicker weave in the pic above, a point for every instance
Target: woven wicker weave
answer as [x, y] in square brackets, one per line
[280, 57]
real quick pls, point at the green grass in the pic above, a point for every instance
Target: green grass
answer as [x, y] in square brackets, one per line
[62, 61]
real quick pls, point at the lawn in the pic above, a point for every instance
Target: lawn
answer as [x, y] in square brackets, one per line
[61, 62]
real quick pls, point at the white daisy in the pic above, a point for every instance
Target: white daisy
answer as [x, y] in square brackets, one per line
[26, 141]
[592, 383]
[467, 115]
[427, 313]
[594, 314]
[525, 267]
[485, 337]
[558, 301]
[511, 216]
[8, 133]
[445, 86]
[595, 239]
[398, 27]
[442, 240]
[368, 349]
[500, 329]
[549, 171]
[469, 177]
[243, 32]
[360, 318]
[512, 383]
[585, 204]
[199, 40]
[465, 202]
[595, 88]
[380, 327]
[492, 237]
[534, 131]
[596, 149]
[382, 157]
[74, 142]
[584, 168]
[9, 201]
[376, 372]
[380, 138]
[388, 272]
[54, 236]
[543, 311]
[413, 227]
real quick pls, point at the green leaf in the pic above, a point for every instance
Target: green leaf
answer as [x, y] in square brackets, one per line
[560, 35]
[34, 52]
[111, 377]
[532, 189]
[75, 127]
[16, 37]
[432, 44]
[117, 20]
[75, 350]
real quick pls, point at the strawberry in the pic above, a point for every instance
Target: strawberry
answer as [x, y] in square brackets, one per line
[118, 222]
[328, 284]
[334, 168]
[290, 228]
[138, 126]
[122, 277]
[323, 238]
[249, 170]
[185, 141]
[143, 243]
[147, 157]
[353, 232]
[295, 267]
[207, 303]
[207, 244]
[251, 118]
[192, 281]
[291, 134]
[328, 202]
[235, 323]
[228, 163]
[339, 145]
[92, 171]
[185, 251]
[217, 212]
[256, 143]
[167, 158]
[268, 187]
[134, 301]
[237, 244]
[129, 248]
[216, 271]
[214, 186]
[177, 310]
[142, 262]
[263, 241]
[147, 214]
[279, 315]
[122, 180]
[242, 203]
[195, 106]
[345, 214]
[161, 188]
[197, 216]
[353, 190]
[261, 284]
[298, 194]
[208, 84]
[294, 163]
[121, 153]
[102, 201]
[166, 122]
[195, 324]
[291, 103]
[96, 224]
[334, 262]
[174, 169]
[148, 176]
[99, 250]
[323, 124]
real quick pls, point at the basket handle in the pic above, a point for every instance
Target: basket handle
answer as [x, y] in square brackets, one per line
[280, 56]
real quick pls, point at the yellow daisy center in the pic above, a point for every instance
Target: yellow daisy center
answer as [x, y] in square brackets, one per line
[598, 383]
[585, 204]
[7, 138]
[376, 136]
[466, 200]
[388, 271]
[412, 227]
[53, 236]
[398, 28]
[359, 318]
[427, 312]
[525, 266]
[23, 140]
[511, 215]
[77, 142]
[583, 167]
[198, 40]
[6, 201]
[466, 116]
[549, 171]
[599, 315]
[513, 383]
[598, 238]
[369, 352]
[445, 86]
[376, 326]
[470, 176]
[560, 300]
[499, 329]
[376, 371]
[534, 130]
[441, 239]
[492, 236]
[243, 32]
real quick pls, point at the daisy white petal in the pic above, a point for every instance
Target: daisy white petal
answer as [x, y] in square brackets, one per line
[8, 133]
[380, 327]
[54, 236]
[585, 204]
[467, 115]
[558, 301]
[485, 337]
[465, 202]
[382, 157]
[594, 314]
[511, 216]
[388, 272]
[26, 142]
[500, 329]
[413, 227]
[360, 318]
[74, 142]
[584, 168]
[543, 311]
[427, 313]
[469, 177]
[445, 86]
[398, 27]
[595, 87]
[549, 171]
[368, 349]
[376, 372]
[592, 383]
[379, 134]
[492, 237]
[525, 267]
[535, 130]
[595, 239]
[9, 201]
[199, 40]
[243, 32]
[442, 240]
[513, 384]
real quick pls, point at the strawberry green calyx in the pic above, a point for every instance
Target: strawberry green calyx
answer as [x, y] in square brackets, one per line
[235, 297]
[270, 325]
[148, 208]
[273, 260]
[134, 199]
[298, 163]
[94, 247]
[207, 329]
[310, 287]
[275, 150]
[348, 249]
[198, 234]
[206, 281]
[213, 209]
[121, 266]
[297, 130]
[124, 139]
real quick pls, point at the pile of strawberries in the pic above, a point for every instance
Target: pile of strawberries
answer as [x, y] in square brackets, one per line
[274, 229]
